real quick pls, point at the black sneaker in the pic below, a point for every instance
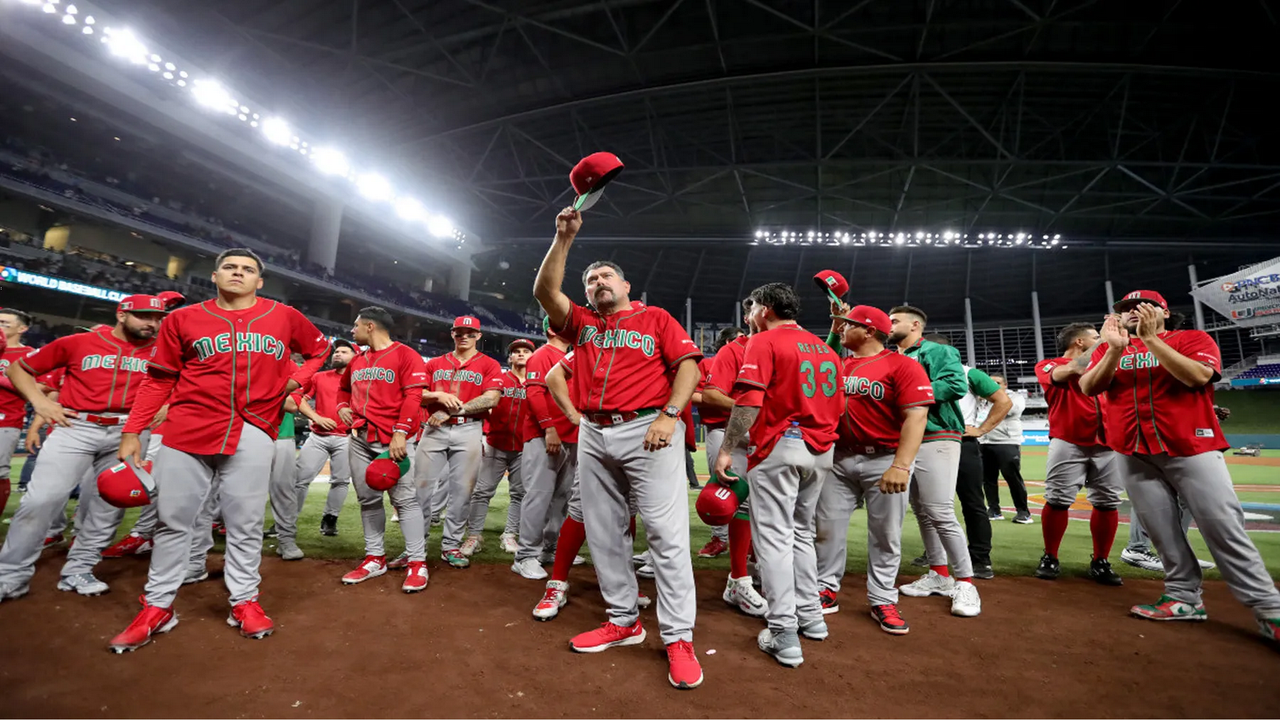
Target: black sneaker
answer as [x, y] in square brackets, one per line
[1023, 518]
[983, 571]
[329, 525]
[922, 561]
[995, 514]
[1100, 572]
[270, 532]
[1049, 568]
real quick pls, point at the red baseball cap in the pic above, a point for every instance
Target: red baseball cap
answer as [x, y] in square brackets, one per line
[1140, 296]
[520, 342]
[719, 500]
[832, 282]
[590, 176]
[384, 473]
[142, 304]
[171, 299]
[868, 316]
[466, 321]
[126, 485]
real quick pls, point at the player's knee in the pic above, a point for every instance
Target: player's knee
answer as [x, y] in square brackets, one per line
[1058, 505]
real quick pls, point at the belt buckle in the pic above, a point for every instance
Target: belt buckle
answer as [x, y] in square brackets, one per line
[616, 418]
[871, 450]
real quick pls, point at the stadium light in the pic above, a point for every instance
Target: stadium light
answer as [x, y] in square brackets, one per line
[373, 186]
[911, 238]
[330, 161]
[440, 226]
[409, 209]
[212, 95]
[276, 131]
[124, 44]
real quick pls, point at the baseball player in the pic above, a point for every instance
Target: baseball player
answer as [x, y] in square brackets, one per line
[714, 407]
[463, 386]
[638, 370]
[1159, 418]
[717, 393]
[223, 367]
[286, 492]
[380, 398]
[788, 394]
[933, 490]
[887, 399]
[1078, 456]
[503, 442]
[328, 441]
[13, 407]
[103, 372]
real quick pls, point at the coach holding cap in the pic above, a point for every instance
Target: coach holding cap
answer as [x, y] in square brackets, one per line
[104, 369]
[1160, 419]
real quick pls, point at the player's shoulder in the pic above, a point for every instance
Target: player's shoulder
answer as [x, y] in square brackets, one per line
[1188, 336]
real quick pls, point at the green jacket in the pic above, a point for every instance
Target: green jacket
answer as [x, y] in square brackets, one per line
[947, 376]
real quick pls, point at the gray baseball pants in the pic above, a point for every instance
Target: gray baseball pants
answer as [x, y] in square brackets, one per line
[8, 444]
[1156, 483]
[933, 500]
[69, 456]
[853, 484]
[1071, 466]
[493, 465]
[450, 455]
[404, 497]
[549, 482]
[288, 491]
[612, 463]
[785, 488]
[146, 525]
[334, 449]
[185, 485]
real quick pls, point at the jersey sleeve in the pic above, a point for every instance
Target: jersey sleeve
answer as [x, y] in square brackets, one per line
[981, 384]
[704, 374]
[413, 375]
[566, 362]
[1044, 373]
[912, 385]
[573, 324]
[307, 340]
[492, 377]
[756, 373]
[48, 358]
[676, 345]
[724, 370]
[167, 357]
[1199, 346]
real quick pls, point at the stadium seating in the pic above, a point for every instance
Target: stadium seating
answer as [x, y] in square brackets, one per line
[1270, 370]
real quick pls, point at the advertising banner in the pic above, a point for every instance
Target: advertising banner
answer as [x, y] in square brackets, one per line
[1248, 298]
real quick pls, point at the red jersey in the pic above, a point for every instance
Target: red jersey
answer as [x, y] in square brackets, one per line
[792, 376]
[384, 390]
[1073, 416]
[467, 380]
[504, 429]
[1149, 411]
[625, 359]
[725, 366]
[13, 407]
[543, 410]
[877, 389]
[102, 373]
[219, 369]
[712, 417]
[323, 391]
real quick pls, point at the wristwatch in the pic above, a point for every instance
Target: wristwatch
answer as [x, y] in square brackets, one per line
[671, 411]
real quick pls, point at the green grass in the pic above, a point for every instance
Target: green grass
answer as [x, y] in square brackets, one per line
[1017, 548]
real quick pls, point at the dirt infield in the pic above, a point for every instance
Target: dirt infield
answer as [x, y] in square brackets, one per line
[467, 647]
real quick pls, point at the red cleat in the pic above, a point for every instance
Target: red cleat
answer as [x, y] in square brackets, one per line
[607, 636]
[250, 618]
[416, 579]
[685, 672]
[714, 548]
[830, 604]
[130, 545]
[54, 539]
[151, 621]
[889, 619]
[371, 567]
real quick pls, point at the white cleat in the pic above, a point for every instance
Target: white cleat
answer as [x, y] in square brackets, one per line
[556, 597]
[529, 569]
[1145, 560]
[965, 602]
[646, 571]
[930, 584]
[509, 544]
[740, 593]
[579, 560]
[82, 583]
[471, 545]
[640, 558]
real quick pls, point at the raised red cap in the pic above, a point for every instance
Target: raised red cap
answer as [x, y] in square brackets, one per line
[590, 176]
[832, 282]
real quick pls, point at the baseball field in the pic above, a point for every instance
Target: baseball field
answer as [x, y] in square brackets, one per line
[469, 648]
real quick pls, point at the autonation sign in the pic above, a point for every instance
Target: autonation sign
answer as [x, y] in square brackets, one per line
[1249, 297]
[22, 277]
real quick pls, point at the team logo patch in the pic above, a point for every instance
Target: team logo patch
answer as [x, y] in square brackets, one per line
[1204, 432]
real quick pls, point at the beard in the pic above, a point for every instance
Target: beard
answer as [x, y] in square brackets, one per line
[139, 334]
[895, 338]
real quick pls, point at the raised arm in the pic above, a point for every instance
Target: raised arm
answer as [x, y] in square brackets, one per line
[547, 287]
[1099, 377]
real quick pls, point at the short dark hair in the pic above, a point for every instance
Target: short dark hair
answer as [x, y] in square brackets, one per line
[779, 297]
[911, 310]
[341, 343]
[239, 252]
[23, 318]
[998, 374]
[937, 338]
[599, 264]
[1068, 334]
[727, 335]
[378, 316]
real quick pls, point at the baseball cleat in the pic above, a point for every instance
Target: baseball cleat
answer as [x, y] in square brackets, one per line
[552, 600]
[1270, 629]
[471, 545]
[640, 558]
[646, 571]
[740, 593]
[1205, 564]
[784, 647]
[455, 559]
[529, 569]
[508, 543]
[129, 545]
[1142, 559]
[395, 517]
[329, 525]
[715, 547]
[643, 601]
[930, 584]
[13, 592]
[416, 579]
[921, 561]
[289, 550]
[270, 532]
[151, 621]
[965, 601]
[889, 619]
[1166, 608]
[1100, 572]
[400, 561]
[251, 619]
[54, 539]
[371, 567]
[195, 574]
[608, 636]
[830, 604]
[1049, 568]
[82, 583]
[814, 630]
[683, 670]
[577, 560]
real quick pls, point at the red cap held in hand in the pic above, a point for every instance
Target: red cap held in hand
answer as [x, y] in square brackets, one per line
[126, 485]
[384, 473]
[833, 282]
[590, 176]
[719, 499]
